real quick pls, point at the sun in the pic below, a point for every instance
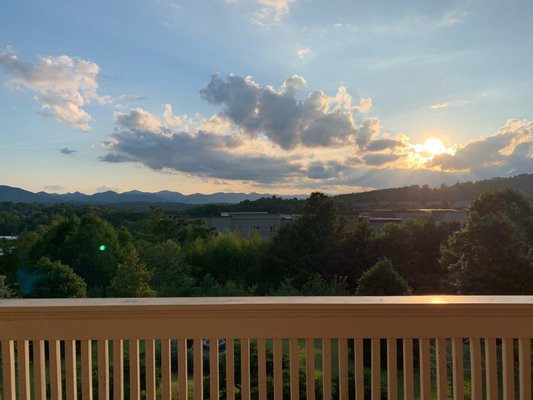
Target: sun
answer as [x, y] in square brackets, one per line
[434, 146]
[423, 153]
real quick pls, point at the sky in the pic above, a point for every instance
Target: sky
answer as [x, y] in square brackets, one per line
[268, 96]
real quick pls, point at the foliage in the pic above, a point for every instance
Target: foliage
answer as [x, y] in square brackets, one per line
[273, 205]
[359, 251]
[413, 247]
[310, 244]
[171, 273]
[493, 252]
[77, 242]
[132, 279]
[227, 256]
[5, 291]
[489, 256]
[47, 279]
[423, 195]
[382, 280]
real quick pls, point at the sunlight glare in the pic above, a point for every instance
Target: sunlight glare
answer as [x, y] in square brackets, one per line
[432, 146]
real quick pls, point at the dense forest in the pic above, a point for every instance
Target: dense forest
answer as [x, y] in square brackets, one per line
[456, 195]
[64, 251]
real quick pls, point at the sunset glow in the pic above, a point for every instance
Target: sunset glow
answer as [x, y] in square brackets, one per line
[331, 97]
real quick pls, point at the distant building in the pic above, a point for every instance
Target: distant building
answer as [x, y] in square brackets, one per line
[247, 223]
[378, 218]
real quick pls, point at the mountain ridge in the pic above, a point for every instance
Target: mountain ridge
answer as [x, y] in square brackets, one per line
[18, 195]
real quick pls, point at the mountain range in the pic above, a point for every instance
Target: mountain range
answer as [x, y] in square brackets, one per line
[17, 195]
[455, 194]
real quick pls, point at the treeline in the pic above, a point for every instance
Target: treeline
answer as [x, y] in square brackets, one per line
[272, 205]
[447, 196]
[80, 252]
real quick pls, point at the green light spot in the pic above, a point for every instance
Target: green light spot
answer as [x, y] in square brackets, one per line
[102, 247]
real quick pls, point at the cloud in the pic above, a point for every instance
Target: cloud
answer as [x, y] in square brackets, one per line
[510, 148]
[131, 98]
[302, 53]
[204, 155]
[271, 12]
[62, 85]
[380, 159]
[54, 188]
[285, 138]
[67, 151]
[138, 120]
[439, 105]
[105, 188]
[384, 144]
[317, 121]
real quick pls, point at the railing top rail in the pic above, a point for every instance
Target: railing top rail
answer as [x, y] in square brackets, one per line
[269, 301]
[268, 317]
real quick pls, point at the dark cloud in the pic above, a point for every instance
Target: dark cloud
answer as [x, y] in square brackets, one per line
[368, 129]
[383, 144]
[203, 154]
[67, 151]
[287, 121]
[324, 170]
[380, 159]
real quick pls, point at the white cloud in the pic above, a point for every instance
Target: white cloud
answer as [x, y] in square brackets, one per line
[317, 121]
[439, 106]
[270, 12]
[62, 85]
[303, 52]
[138, 120]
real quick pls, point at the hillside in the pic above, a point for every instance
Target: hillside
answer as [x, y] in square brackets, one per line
[456, 195]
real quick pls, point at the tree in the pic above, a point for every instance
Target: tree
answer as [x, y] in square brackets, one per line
[414, 248]
[510, 203]
[171, 273]
[309, 244]
[5, 291]
[227, 256]
[132, 279]
[359, 252]
[492, 253]
[49, 279]
[489, 256]
[382, 280]
[90, 245]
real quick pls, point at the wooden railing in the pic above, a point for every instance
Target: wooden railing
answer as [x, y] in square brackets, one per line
[283, 347]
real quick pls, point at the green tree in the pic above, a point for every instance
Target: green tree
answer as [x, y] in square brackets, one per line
[359, 251]
[52, 279]
[227, 256]
[171, 273]
[132, 279]
[492, 253]
[90, 245]
[382, 280]
[414, 249]
[5, 291]
[310, 244]
[510, 203]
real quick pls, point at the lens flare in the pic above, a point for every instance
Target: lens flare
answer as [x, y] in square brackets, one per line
[102, 247]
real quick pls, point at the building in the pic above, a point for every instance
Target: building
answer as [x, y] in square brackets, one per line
[379, 218]
[247, 223]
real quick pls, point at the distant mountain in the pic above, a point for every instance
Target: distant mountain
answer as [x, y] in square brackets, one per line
[16, 195]
[459, 194]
